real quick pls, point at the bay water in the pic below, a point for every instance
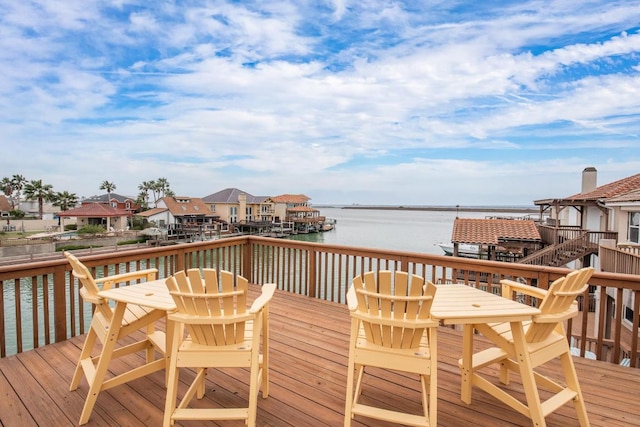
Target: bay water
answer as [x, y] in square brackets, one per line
[395, 229]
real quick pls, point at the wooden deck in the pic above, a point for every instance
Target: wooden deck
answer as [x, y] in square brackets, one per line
[308, 374]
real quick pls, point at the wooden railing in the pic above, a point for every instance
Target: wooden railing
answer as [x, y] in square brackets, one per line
[40, 303]
[571, 244]
[554, 235]
[619, 260]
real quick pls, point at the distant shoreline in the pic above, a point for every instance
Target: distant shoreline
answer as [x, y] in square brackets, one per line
[524, 210]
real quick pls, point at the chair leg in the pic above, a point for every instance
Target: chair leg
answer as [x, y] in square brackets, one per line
[89, 342]
[572, 382]
[527, 376]
[433, 378]
[173, 373]
[349, 398]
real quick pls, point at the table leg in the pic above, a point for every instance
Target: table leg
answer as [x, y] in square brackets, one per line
[526, 373]
[106, 353]
[467, 361]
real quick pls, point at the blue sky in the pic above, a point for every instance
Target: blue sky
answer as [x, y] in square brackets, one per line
[369, 102]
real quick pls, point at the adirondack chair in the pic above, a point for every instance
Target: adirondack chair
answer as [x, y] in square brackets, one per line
[222, 333]
[102, 329]
[544, 340]
[391, 328]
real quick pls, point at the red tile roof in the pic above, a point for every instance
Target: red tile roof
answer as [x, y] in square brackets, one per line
[151, 212]
[290, 198]
[190, 206]
[493, 231]
[94, 210]
[613, 189]
[5, 206]
[632, 196]
[302, 209]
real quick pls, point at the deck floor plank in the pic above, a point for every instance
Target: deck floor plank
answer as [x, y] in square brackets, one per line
[309, 341]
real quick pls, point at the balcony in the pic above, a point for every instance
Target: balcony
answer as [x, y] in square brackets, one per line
[309, 335]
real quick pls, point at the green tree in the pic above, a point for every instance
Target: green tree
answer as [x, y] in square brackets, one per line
[160, 188]
[143, 197]
[65, 200]
[36, 190]
[18, 182]
[109, 187]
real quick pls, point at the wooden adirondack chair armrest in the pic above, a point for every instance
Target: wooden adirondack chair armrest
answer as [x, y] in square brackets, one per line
[510, 286]
[352, 299]
[88, 297]
[108, 281]
[557, 317]
[259, 303]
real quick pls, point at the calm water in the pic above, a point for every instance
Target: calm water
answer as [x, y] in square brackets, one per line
[413, 231]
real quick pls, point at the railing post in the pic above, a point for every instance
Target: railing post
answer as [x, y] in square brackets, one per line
[60, 302]
[247, 261]
[311, 268]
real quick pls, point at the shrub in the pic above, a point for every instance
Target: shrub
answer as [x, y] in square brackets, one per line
[91, 229]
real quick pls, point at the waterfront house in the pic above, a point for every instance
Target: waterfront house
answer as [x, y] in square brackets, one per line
[183, 216]
[102, 214]
[116, 201]
[237, 206]
[601, 224]
[294, 209]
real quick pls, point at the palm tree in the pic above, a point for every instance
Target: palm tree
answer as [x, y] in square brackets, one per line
[64, 200]
[144, 188]
[109, 187]
[36, 190]
[18, 182]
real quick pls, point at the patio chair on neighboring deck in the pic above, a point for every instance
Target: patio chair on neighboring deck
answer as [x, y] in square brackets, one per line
[545, 339]
[134, 318]
[392, 328]
[222, 334]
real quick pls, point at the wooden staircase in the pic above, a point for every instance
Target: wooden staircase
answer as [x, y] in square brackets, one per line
[559, 254]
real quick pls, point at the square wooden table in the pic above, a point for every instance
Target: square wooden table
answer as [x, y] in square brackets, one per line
[468, 306]
[152, 294]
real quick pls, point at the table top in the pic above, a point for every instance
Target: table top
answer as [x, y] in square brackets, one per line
[461, 304]
[153, 294]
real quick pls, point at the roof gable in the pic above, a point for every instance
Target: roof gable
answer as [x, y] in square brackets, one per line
[231, 196]
[181, 206]
[104, 198]
[94, 210]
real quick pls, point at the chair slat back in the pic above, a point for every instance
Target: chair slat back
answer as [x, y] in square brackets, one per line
[558, 304]
[90, 289]
[213, 308]
[395, 309]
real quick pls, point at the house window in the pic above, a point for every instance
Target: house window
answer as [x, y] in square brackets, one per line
[628, 314]
[634, 227]
[128, 205]
[212, 208]
[233, 214]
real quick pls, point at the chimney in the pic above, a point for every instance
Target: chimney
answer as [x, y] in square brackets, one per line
[589, 179]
